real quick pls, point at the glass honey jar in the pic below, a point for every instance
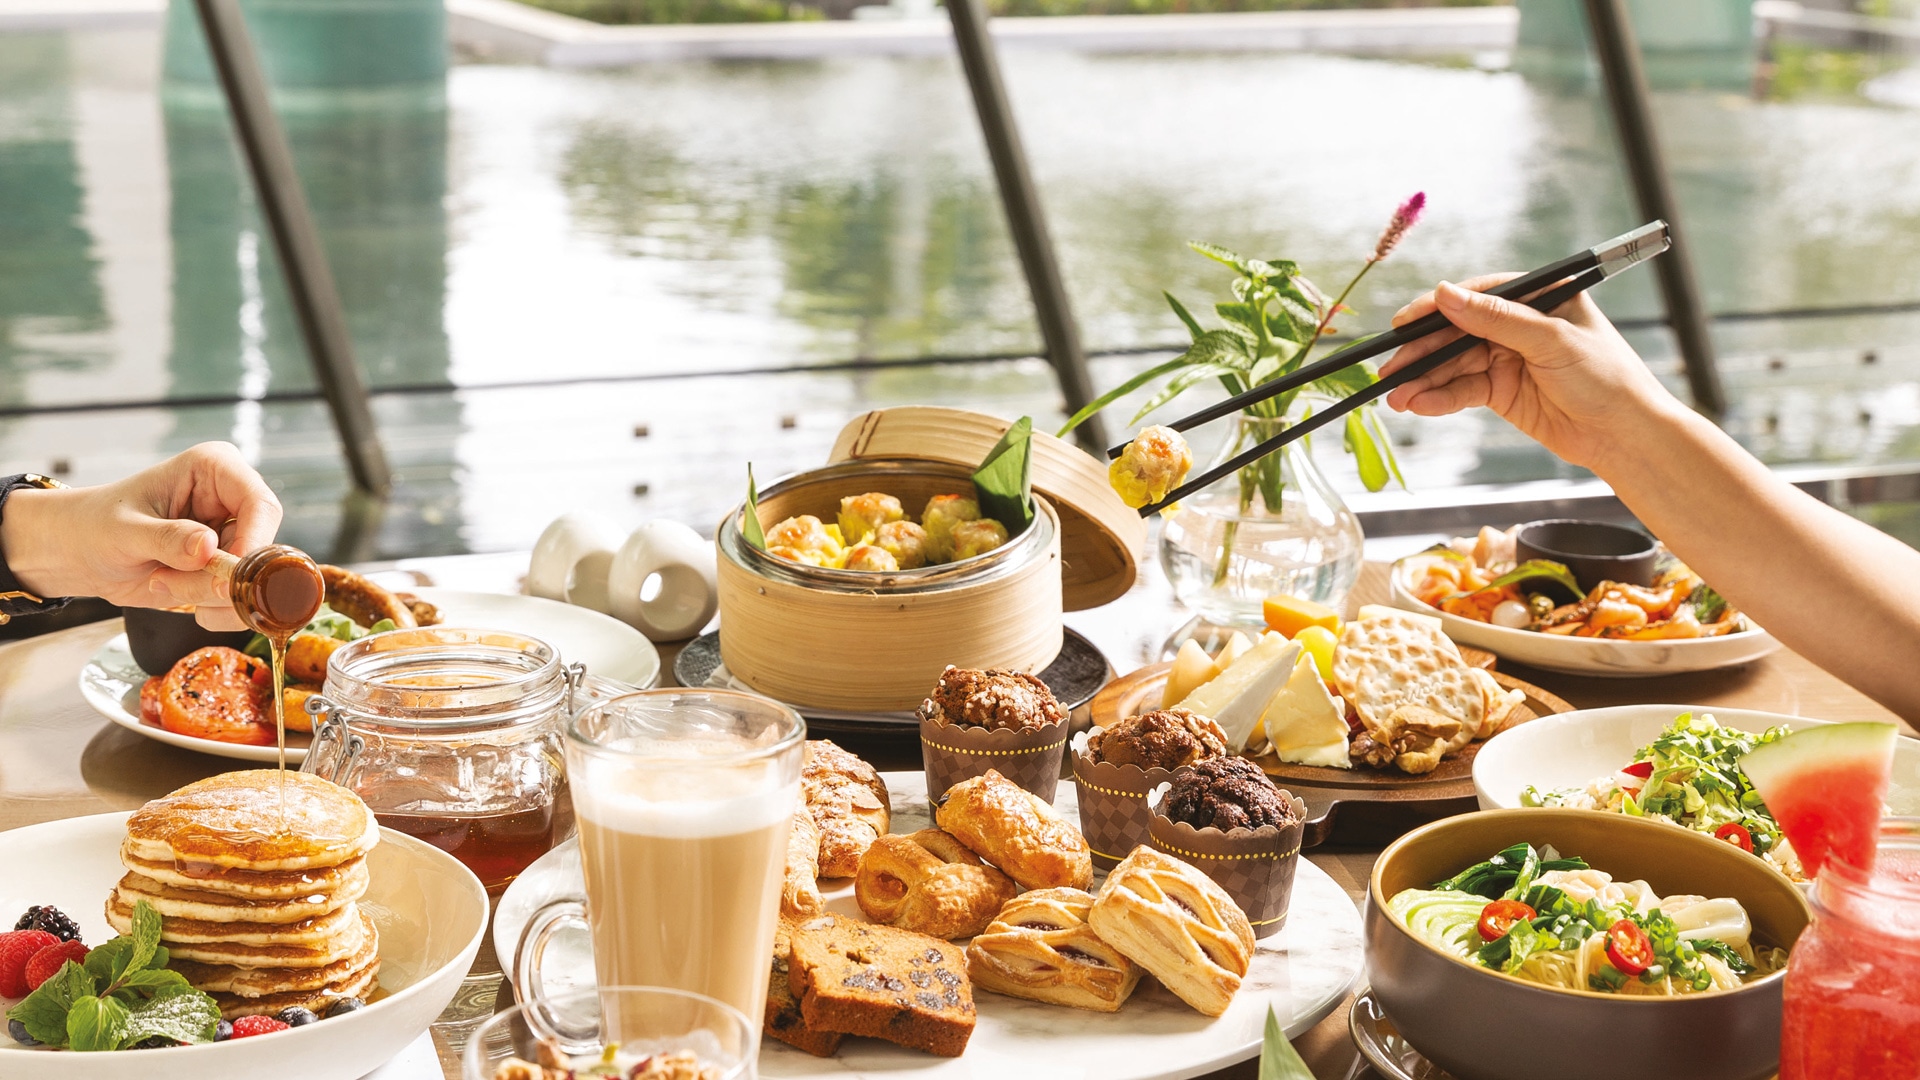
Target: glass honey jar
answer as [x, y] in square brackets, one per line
[453, 736]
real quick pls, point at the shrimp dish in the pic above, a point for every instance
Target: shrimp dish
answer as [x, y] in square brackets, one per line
[873, 532]
[1481, 579]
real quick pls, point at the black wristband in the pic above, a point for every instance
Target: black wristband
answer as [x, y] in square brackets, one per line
[15, 600]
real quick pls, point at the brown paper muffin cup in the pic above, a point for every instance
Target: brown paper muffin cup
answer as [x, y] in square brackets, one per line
[1255, 866]
[956, 752]
[1114, 815]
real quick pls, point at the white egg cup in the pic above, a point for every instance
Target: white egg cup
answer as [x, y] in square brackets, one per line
[660, 580]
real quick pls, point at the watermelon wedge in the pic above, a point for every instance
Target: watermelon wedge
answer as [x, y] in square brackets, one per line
[1826, 786]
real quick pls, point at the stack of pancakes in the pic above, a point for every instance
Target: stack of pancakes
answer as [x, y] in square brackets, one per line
[257, 895]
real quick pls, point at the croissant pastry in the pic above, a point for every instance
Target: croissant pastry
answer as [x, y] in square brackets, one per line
[800, 886]
[1018, 832]
[930, 883]
[849, 804]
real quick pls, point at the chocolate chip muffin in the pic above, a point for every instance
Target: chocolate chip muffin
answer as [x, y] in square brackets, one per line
[1011, 700]
[1168, 739]
[1227, 793]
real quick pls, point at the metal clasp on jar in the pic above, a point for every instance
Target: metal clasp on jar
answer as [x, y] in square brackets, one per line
[335, 749]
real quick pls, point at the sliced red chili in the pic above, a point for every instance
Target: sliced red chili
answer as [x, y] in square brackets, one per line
[1736, 834]
[1641, 769]
[1501, 916]
[1628, 947]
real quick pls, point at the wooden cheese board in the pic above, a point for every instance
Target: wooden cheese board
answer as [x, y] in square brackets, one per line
[1361, 806]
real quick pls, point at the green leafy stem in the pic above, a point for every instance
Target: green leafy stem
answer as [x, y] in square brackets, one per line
[1274, 321]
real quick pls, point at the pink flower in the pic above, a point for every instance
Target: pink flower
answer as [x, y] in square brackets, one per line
[1403, 219]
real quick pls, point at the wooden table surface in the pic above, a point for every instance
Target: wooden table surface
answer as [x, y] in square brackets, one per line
[59, 759]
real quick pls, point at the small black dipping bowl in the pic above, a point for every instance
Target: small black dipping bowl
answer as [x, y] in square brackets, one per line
[1595, 551]
[159, 638]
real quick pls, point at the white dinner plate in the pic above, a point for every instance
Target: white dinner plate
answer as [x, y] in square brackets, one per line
[1303, 973]
[1571, 750]
[431, 912]
[1605, 657]
[110, 681]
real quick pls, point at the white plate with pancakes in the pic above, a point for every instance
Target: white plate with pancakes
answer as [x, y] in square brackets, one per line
[110, 681]
[1303, 972]
[428, 911]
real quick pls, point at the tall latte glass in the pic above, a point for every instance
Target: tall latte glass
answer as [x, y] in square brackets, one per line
[682, 799]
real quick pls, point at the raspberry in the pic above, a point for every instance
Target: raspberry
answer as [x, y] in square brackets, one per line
[52, 959]
[257, 1025]
[47, 917]
[16, 948]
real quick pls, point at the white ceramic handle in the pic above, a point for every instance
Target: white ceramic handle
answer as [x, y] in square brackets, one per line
[568, 540]
[662, 581]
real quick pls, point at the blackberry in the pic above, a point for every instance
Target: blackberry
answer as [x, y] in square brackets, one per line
[295, 1016]
[18, 1032]
[47, 917]
[152, 1042]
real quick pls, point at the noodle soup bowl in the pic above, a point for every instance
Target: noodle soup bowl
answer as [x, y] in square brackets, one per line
[1481, 1024]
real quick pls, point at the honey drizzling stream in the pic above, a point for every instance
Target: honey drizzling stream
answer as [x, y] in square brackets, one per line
[276, 590]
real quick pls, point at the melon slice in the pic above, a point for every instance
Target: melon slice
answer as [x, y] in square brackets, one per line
[1826, 786]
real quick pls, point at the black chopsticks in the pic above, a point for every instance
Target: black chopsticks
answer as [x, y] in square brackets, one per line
[1588, 268]
[1628, 248]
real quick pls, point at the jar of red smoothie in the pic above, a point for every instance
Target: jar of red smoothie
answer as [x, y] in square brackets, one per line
[1852, 993]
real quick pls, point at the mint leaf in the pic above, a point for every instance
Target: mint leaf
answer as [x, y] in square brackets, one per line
[109, 961]
[95, 1023]
[146, 935]
[44, 1012]
[153, 981]
[182, 1014]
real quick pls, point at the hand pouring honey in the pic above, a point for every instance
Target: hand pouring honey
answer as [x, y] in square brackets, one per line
[276, 590]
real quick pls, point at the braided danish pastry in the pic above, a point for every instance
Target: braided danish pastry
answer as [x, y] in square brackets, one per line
[931, 883]
[1040, 947]
[1173, 920]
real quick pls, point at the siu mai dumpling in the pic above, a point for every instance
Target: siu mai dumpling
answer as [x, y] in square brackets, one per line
[807, 536]
[906, 542]
[862, 515]
[870, 557]
[1154, 463]
[942, 514]
[972, 538]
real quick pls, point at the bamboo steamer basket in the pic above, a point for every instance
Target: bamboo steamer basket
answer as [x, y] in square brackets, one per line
[855, 641]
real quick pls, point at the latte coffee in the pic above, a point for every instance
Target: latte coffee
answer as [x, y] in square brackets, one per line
[683, 799]
[685, 894]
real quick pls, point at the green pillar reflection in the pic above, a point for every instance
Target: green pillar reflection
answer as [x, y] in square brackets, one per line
[360, 86]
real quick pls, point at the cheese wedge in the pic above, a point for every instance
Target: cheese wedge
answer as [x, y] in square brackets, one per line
[1236, 697]
[1304, 723]
[1192, 668]
[1375, 611]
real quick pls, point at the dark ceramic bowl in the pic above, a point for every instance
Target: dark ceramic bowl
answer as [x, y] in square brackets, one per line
[1483, 1025]
[159, 638]
[1595, 551]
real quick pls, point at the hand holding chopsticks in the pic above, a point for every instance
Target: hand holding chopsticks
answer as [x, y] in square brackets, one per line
[1573, 275]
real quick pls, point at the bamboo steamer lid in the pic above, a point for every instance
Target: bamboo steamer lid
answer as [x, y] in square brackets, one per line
[1101, 537]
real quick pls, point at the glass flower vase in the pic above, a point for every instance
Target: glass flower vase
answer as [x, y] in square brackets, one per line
[1276, 526]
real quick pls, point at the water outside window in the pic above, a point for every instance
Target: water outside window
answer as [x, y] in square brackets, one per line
[724, 243]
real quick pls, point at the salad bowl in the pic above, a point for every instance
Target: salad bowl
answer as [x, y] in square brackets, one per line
[1572, 750]
[1473, 1021]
